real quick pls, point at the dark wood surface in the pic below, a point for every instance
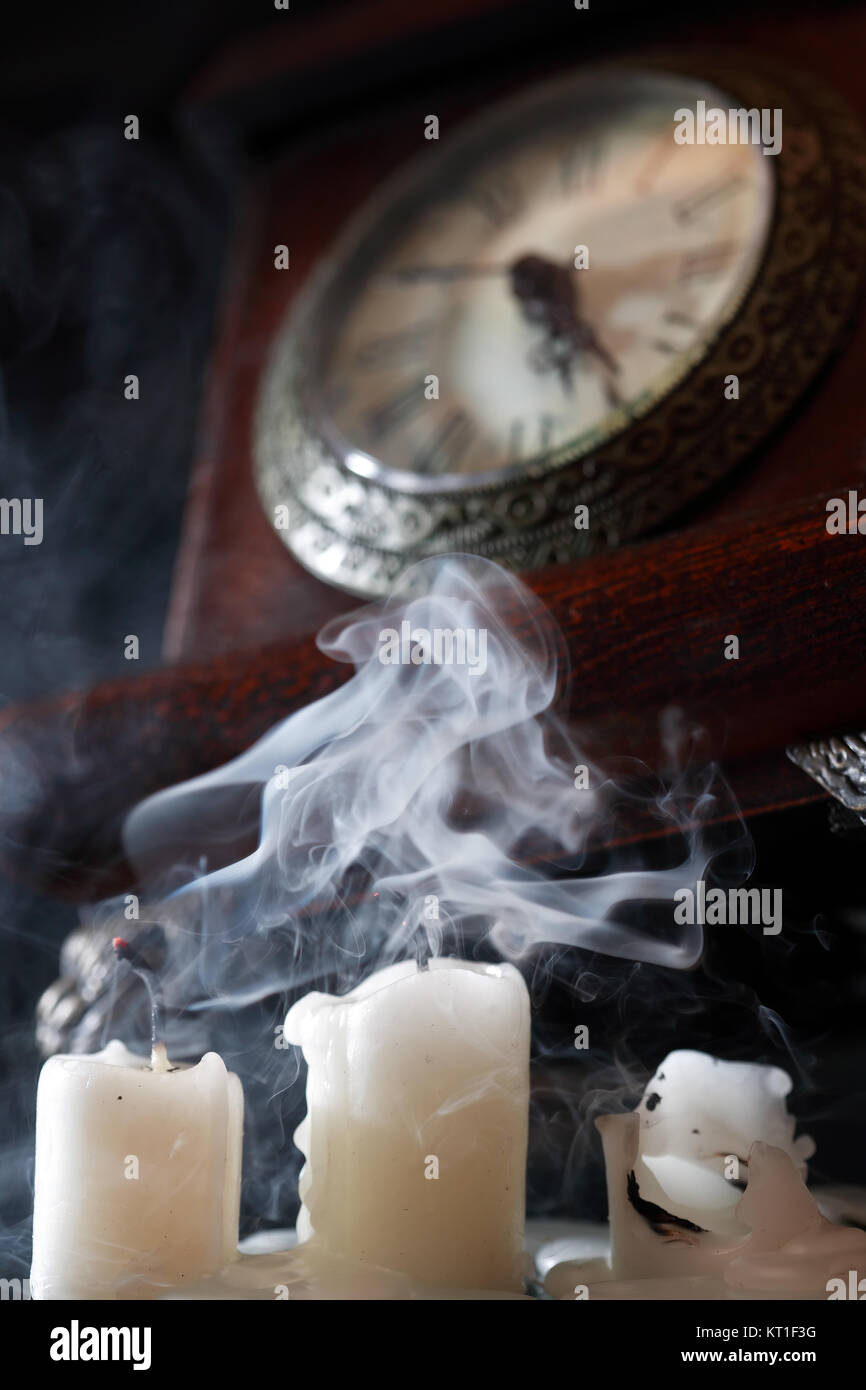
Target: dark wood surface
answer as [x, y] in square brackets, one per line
[643, 629]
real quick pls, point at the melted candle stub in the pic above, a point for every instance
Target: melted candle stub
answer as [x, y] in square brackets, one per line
[680, 1226]
[699, 1116]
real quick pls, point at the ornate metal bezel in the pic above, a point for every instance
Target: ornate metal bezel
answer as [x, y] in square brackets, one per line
[359, 533]
[838, 764]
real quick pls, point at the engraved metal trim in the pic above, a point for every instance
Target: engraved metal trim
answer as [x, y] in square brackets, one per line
[838, 764]
[360, 534]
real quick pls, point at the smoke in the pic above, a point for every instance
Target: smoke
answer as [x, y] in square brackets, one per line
[400, 813]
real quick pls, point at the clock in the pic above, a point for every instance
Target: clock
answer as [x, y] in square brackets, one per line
[560, 325]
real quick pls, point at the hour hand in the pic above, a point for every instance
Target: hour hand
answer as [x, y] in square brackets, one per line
[547, 295]
[545, 292]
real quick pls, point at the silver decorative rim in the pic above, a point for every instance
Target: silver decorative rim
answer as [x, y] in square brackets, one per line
[838, 764]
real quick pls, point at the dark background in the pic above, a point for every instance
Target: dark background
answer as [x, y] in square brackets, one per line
[112, 256]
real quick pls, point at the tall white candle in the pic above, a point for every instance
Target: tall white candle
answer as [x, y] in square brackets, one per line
[137, 1174]
[417, 1117]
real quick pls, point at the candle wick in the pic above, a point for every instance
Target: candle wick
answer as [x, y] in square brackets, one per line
[146, 973]
[422, 952]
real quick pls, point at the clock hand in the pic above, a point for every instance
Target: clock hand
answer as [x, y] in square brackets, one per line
[547, 295]
[544, 290]
[587, 340]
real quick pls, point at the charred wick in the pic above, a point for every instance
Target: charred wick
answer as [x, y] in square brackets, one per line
[657, 1218]
[136, 960]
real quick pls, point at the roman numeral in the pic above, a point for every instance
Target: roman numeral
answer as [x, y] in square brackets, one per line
[580, 166]
[547, 428]
[396, 410]
[391, 349]
[698, 202]
[660, 151]
[451, 440]
[677, 316]
[499, 199]
[709, 261]
[516, 433]
[683, 327]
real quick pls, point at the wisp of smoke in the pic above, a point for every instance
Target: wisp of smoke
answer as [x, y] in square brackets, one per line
[402, 809]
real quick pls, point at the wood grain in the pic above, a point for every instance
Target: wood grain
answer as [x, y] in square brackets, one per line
[643, 630]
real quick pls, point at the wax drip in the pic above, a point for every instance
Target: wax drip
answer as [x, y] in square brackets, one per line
[136, 961]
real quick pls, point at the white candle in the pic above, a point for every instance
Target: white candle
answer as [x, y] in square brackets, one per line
[417, 1116]
[673, 1164]
[137, 1174]
[699, 1117]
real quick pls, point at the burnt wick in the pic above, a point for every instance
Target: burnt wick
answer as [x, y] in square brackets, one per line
[422, 952]
[136, 961]
[662, 1222]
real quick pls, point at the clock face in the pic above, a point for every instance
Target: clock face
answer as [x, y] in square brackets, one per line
[536, 284]
[559, 326]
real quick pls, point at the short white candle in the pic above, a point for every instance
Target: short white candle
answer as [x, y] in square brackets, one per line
[417, 1117]
[699, 1116]
[137, 1174]
[680, 1155]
